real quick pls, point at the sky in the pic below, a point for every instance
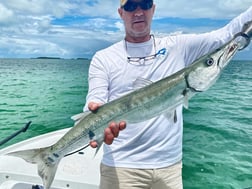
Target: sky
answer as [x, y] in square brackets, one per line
[78, 28]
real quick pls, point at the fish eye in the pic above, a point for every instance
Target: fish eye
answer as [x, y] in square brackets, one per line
[210, 61]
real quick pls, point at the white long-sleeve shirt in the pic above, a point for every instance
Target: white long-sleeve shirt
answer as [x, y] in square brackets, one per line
[157, 142]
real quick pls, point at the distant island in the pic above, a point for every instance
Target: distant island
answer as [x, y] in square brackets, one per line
[82, 59]
[46, 57]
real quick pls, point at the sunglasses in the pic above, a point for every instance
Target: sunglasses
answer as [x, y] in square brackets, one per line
[131, 6]
[145, 60]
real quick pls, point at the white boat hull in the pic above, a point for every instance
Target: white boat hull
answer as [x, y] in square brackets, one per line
[77, 171]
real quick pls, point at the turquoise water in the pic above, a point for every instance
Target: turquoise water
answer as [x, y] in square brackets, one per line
[217, 130]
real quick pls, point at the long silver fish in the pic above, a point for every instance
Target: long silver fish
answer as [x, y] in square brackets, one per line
[144, 103]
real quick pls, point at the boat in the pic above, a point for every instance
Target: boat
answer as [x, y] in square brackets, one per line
[77, 171]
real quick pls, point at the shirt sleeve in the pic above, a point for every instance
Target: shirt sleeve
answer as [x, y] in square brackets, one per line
[197, 45]
[98, 82]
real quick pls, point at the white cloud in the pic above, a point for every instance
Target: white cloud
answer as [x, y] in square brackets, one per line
[40, 7]
[119, 25]
[201, 9]
[71, 28]
[6, 14]
[20, 46]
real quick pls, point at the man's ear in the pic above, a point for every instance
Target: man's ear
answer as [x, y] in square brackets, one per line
[120, 12]
[154, 8]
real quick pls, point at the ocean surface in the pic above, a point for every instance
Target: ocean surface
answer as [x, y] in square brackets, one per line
[217, 151]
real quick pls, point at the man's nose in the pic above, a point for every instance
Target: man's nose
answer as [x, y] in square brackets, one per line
[138, 11]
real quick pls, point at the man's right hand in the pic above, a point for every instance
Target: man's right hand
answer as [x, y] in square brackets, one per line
[111, 132]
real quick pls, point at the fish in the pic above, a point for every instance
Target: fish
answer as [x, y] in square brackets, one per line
[150, 100]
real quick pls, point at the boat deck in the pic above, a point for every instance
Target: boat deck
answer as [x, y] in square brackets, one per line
[77, 171]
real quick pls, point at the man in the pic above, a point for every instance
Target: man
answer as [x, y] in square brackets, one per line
[147, 154]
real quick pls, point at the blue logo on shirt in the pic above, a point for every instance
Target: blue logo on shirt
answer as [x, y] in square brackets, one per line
[162, 51]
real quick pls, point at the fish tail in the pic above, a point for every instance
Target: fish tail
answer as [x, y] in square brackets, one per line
[46, 170]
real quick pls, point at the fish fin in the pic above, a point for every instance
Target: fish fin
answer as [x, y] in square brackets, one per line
[175, 117]
[47, 173]
[46, 170]
[186, 102]
[186, 98]
[79, 116]
[141, 82]
[99, 140]
[171, 115]
[97, 149]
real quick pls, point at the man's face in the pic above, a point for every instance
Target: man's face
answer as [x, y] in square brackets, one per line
[137, 22]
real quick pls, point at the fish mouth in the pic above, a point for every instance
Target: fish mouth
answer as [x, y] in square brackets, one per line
[227, 55]
[232, 51]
